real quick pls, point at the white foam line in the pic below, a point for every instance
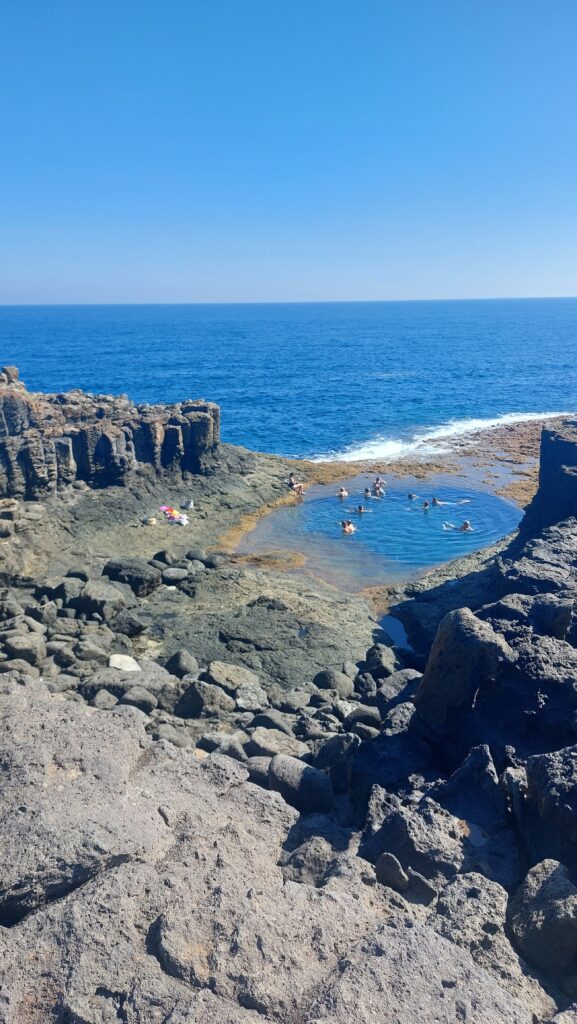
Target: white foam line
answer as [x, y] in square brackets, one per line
[390, 449]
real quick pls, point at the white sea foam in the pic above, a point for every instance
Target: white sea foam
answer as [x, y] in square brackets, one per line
[431, 441]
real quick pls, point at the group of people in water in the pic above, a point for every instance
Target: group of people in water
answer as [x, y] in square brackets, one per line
[465, 526]
[377, 491]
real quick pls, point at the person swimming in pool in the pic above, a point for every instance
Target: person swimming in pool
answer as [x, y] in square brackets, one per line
[342, 493]
[425, 506]
[367, 493]
[361, 508]
[348, 527]
[412, 496]
[465, 527]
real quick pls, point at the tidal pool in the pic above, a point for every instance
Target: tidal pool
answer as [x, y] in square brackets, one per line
[396, 539]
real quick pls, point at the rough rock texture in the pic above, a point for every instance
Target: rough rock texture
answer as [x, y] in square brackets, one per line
[140, 884]
[543, 917]
[556, 497]
[49, 441]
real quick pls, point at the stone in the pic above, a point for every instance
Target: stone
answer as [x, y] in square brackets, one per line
[230, 677]
[136, 572]
[389, 872]
[88, 650]
[472, 912]
[399, 687]
[172, 576]
[302, 786]
[182, 663]
[365, 686]
[258, 770]
[98, 596]
[30, 648]
[178, 737]
[294, 700]
[331, 680]
[273, 719]
[251, 697]
[382, 661]
[202, 698]
[364, 714]
[128, 623]
[266, 742]
[466, 655]
[552, 784]
[124, 663]
[104, 700]
[310, 862]
[138, 697]
[543, 918]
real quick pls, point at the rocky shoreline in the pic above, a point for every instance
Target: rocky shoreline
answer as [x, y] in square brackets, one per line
[227, 796]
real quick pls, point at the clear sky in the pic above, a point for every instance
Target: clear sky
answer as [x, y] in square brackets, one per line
[264, 150]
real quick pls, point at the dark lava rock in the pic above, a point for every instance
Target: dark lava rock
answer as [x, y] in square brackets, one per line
[543, 918]
[136, 572]
[305, 788]
[182, 663]
[328, 679]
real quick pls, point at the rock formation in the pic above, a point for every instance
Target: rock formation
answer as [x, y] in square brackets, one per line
[49, 441]
[226, 796]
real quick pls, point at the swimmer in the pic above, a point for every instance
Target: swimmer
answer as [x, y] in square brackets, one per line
[379, 492]
[464, 528]
[342, 493]
[347, 526]
[412, 496]
[438, 503]
[425, 506]
[367, 493]
[361, 508]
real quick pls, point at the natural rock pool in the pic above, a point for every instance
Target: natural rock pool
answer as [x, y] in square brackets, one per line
[395, 540]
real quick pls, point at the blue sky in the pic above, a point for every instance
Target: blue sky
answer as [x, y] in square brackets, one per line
[259, 150]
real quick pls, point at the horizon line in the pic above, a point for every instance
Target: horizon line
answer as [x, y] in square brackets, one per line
[289, 302]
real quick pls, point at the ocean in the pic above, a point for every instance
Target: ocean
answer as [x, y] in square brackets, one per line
[315, 380]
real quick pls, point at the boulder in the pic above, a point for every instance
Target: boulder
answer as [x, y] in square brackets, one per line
[136, 572]
[302, 786]
[328, 679]
[29, 647]
[173, 575]
[182, 663]
[552, 784]
[124, 663]
[266, 742]
[382, 661]
[466, 655]
[543, 918]
[101, 598]
[138, 697]
[390, 872]
[230, 677]
[471, 912]
[204, 699]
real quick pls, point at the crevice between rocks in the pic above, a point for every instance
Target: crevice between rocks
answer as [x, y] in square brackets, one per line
[16, 909]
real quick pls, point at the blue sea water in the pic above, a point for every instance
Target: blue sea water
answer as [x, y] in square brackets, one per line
[314, 379]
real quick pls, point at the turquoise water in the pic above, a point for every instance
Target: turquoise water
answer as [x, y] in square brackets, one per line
[319, 379]
[395, 540]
